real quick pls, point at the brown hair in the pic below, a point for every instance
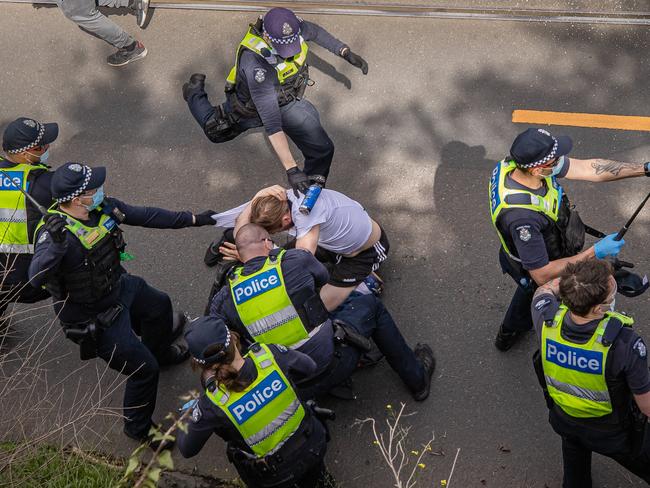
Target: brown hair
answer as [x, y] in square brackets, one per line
[223, 372]
[585, 284]
[268, 212]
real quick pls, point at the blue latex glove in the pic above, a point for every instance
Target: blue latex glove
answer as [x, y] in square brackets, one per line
[191, 404]
[607, 246]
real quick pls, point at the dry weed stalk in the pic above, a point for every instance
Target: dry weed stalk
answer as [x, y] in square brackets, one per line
[37, 411]
[393, 449]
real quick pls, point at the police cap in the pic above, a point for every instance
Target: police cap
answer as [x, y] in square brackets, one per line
[283, 30]
[72, 179]
[537, 147]
[24, 134]
[205, 332]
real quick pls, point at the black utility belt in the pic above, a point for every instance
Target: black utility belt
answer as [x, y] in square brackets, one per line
[86, 333]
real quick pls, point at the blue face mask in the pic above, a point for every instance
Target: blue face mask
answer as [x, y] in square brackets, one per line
[558, 166]
[98, 198]
[45, 156]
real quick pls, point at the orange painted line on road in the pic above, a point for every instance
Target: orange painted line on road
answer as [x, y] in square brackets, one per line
[599, 121]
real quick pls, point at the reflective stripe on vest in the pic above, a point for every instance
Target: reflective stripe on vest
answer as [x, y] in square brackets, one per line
[268, 412]
[284, 70]
[575, 373]
[14, 232]
[548, 205]
[88, 236]
[264, 307]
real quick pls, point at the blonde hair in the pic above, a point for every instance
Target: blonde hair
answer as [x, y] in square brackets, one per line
[268, 212]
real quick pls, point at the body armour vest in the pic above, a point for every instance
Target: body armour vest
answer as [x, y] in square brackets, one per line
[264, 307]
[268, 412]
[101, 270]
[292, 73]
[18, 218]
[565, 235]
[575, 373]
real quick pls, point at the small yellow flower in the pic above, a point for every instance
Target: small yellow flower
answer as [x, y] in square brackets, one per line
[389, 406]
[422, 465]
[428, 448]
[376, 443]
[443, 482]
[415, 453]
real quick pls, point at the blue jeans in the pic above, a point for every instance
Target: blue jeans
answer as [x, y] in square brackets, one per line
[368, 316]
[300, 121]
[147, 313]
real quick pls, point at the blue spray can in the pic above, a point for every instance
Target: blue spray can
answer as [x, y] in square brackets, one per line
[310, 199]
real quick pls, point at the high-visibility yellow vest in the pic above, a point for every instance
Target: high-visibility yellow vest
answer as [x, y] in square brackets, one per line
[575, 373]
[284, 70]
[268, 412]
[549, 204]
[14, 231]
[264, 306]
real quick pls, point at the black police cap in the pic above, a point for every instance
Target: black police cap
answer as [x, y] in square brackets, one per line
[537, 147]
[24, 134]
[205, 332]
[72, 179]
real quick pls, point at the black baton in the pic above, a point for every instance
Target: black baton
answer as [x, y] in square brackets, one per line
[622, 232]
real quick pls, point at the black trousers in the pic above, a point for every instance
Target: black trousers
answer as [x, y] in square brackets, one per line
[578, 442]
[518, 317]
[300, 121]
[19, 293]
[147, 313]
[302, 467]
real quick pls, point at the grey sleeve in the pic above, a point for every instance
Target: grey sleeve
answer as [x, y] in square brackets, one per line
[543, 307]
[314, 32]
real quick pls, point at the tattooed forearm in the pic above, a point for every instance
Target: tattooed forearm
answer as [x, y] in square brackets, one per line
[615, 168]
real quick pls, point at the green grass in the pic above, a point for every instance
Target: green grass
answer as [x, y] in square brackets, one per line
[53, 468]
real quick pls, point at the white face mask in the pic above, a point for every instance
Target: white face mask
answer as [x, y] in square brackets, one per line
[609, 306]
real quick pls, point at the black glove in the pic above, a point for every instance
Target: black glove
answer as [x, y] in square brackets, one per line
[204, 218]
[356, 60]
[197, 82]
[55, 225]
[298, 180]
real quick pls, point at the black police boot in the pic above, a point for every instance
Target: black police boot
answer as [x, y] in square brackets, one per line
[181, 319]
[424, 355]
[197, 82]
[175, 354]
[505, 340]
[148, 438]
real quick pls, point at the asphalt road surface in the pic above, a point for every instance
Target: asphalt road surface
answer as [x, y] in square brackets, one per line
[416, 141]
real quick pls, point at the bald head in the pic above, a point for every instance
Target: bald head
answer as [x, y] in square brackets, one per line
[250, 242]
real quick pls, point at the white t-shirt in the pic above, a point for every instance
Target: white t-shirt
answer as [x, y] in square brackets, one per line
[344, 225]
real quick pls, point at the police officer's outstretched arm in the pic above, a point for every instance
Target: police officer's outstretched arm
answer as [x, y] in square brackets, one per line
[158, 218]
[604, 170]
[314, 32]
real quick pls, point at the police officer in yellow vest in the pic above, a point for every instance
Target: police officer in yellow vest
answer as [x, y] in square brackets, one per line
[26, 144]
[265, 88]
[274, 440]
[539, 232]
[110, 313]
[593, 367]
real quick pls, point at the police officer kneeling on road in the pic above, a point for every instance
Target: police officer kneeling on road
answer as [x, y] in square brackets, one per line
[273, 298]
[274, 439]
[594, 371]
[79, 246]
[26, 143]
[531, 213]
[265, 88]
